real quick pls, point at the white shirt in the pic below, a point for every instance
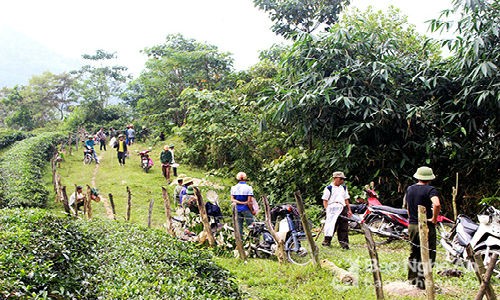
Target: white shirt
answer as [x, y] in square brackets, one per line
[71, 201]
[338, 195]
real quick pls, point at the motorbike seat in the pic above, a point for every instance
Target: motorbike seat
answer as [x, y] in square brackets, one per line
[469, 226]
[398, 211]
[358, 208]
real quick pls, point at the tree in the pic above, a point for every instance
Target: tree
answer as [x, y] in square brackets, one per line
[177, 64]
[293, 17]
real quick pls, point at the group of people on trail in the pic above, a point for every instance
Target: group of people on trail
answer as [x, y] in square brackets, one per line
[337, 206]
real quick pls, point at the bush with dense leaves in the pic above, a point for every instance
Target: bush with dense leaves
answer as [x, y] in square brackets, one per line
[42, 255]
[21, 170]
[9, 137]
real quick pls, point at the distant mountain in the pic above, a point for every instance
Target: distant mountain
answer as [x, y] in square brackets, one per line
[22, 57]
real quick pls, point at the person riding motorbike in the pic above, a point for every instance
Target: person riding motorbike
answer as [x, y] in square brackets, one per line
[89, 143]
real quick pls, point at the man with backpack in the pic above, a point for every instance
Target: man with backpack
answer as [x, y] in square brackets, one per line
[336, 203]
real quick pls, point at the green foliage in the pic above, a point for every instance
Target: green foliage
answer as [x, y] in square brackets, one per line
[9, 137]
[21, 169]
[294, 17]
[47, 256]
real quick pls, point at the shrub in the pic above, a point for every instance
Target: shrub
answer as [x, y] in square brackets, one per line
[21, 171]
[46, 256]
[9, 137]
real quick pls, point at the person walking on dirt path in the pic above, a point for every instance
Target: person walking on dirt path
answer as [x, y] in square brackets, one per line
[130, 132]
[102, 139]
[421, 193]
[121, 149]
[174, 165]
[241, 196]
[336, 203]
[166, 158]
[89, 143]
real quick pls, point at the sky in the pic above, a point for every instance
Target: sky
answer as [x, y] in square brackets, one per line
[76, 27]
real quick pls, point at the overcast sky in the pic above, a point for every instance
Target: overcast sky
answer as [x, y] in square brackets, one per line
[75, 27]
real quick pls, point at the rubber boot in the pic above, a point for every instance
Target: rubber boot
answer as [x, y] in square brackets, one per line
[327, 241]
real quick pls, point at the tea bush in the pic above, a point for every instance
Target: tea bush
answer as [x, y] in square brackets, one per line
[42, 255]
[9, 137]
[21, 170]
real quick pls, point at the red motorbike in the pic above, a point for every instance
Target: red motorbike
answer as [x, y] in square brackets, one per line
[146, 161]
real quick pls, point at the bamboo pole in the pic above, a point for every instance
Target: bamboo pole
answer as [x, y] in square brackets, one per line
[204, 217]
[237, 235]
[423, 231]
[112, 205]
[280, 249]
[372, 250]
[307, 229]
[150, 213]
[129, 203]
[454, 193]
[168, 212]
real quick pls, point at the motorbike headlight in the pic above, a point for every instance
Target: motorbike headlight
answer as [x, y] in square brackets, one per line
[484, 219]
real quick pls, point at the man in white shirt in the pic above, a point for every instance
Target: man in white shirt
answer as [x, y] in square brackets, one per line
[336, 203]
[78, 197]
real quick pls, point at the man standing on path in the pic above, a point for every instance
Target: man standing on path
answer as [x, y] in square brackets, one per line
[174, 165]
[241, 196]
[336, 203]
[121, 149]
[166, 158]
[421, 193]
[102, 139]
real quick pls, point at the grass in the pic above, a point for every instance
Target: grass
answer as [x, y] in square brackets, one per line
[258, 278]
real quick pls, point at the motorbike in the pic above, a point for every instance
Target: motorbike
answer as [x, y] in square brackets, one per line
[261, 243]
[88, 155]
[146, 161]
[358, 210]
[484, 238]
[390, 223]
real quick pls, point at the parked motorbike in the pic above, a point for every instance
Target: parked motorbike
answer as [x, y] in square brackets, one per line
[262, 244]
[146, 161]
[358, 210]
[484, 238]
[390, 223]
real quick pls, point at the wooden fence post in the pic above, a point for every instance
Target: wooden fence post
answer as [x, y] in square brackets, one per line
[485, 284]
[75, 204]
[237, 235]
[454, 193]
[372, 250]
[129, 203]
[88, 204]
[65, 201]
[305, 223]
[479, 269]
[423, 231]
[150, 214]
[69, 144]
[204, 217]
[112, 205]
[280, 249]
[168, 213]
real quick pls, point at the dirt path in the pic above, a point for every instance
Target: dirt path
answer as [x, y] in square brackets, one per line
[105, 201]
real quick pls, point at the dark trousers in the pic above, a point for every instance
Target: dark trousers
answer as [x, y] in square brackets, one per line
[342, 229]
[102, 145]
[175, 171]
[415, 267]
[121, 158]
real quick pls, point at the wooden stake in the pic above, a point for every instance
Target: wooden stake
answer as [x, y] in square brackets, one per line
[423, 231]
[280, 249]
[129, 203]
[479, 269]
[69, 144]
[168, 214]
[454, 193]
[112, 205]
[65, 201]
[75, 204]
[204, 217]
[150, 214]
[372, 250]
[307, 229]
[237, 235]
[88, 202]
[485, 284]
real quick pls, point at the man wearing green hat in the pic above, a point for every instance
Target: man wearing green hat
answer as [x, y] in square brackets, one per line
[421, 193]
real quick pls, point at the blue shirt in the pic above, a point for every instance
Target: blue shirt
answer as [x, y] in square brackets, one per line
[240, 192]
[90, 143]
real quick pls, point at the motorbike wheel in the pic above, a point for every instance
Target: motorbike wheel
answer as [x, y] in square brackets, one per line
[300, 256]
[382, 229]
[87, 159]
[259, 247]
[486, 255]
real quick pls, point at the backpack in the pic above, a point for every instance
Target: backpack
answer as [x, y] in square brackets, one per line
[329, 187]
[213, 209]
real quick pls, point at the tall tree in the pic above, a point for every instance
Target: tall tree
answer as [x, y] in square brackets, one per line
[292, 17]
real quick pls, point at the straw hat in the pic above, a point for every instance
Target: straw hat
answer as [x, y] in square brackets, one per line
[187, 180]
[424, 173]
[338, 174]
